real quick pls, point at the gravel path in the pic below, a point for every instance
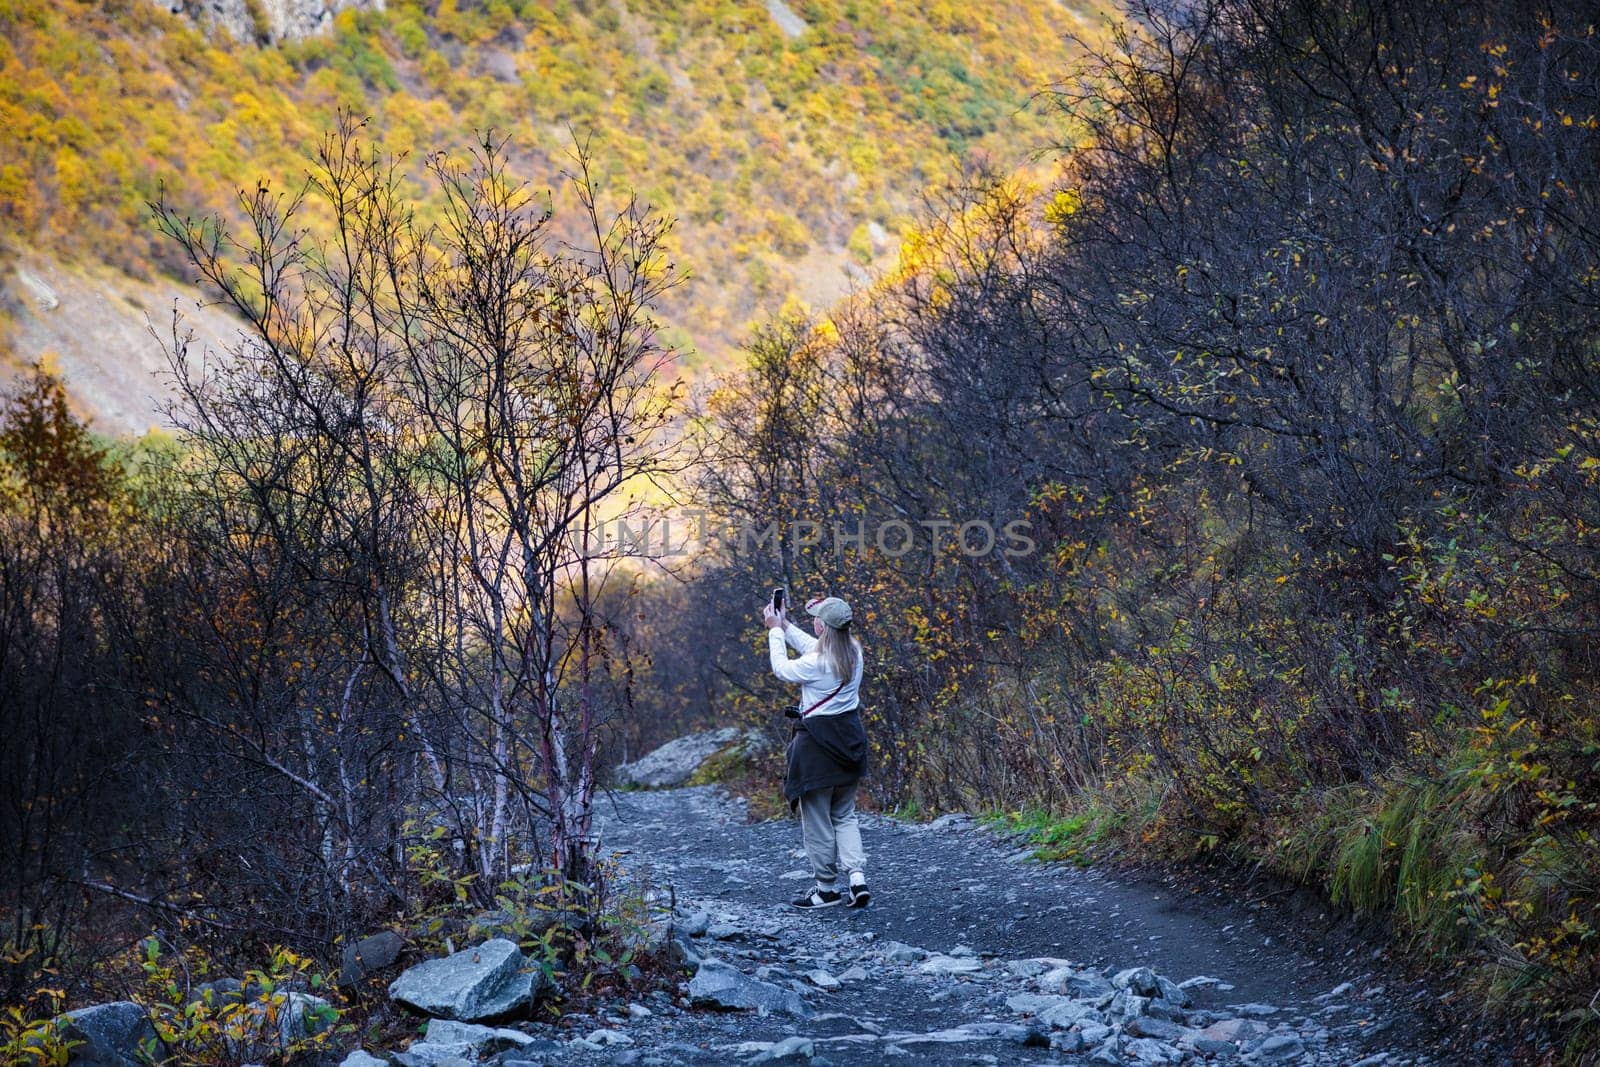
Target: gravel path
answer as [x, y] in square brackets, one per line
[973, 953]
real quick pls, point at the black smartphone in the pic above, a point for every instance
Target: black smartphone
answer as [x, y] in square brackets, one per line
[777, 598]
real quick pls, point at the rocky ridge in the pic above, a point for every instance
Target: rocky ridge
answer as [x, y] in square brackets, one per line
[267, 21]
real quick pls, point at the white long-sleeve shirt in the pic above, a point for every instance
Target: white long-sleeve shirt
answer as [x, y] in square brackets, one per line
[812, 671]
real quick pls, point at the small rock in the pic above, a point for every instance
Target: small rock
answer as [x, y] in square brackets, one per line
[790, 1049]
[1106, 1053]
[1033, 1003]
[1139, 980]
[1094, 1032]
[1027, 968]
[694, 924]
[362, 1058]
[481, 1040]
[1259, 1011]
[1068, 1013]
[1070, 1041]
[1168, 990]
[720, 985]
[608, 1038]
[1278, 1048]
[853, 974]
[898, 952]
[1215, 1049]
[1128, 1005]
[1148, 1051]
[950, 965]
[1234, 1031]
[822, 979]
[1068, 982]
[639, 1011]
[1161, 1029]
[368, 955]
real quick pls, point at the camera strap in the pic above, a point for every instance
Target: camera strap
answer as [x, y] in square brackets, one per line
[821, 702]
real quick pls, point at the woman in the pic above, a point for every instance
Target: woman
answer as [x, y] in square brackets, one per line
[829, 748]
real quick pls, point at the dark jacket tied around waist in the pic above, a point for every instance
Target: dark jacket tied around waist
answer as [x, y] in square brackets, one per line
[826, 751]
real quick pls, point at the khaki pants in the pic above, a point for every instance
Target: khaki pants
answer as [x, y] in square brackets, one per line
[830, 832]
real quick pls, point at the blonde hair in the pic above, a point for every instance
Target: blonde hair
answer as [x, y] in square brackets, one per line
[840, 651]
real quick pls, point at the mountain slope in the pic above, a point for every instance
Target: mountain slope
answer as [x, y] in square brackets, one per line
[790, 141]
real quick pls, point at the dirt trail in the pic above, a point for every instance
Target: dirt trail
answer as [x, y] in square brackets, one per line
[977, 906]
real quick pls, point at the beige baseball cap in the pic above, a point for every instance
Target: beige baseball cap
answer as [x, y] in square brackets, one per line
[831, 610]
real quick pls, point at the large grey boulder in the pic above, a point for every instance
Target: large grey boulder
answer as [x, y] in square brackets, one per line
[721, 985]
[489, 982]
[674, 762]
[111, 1035]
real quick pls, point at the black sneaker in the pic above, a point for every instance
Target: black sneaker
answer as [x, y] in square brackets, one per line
[817, 898]
[860, 895]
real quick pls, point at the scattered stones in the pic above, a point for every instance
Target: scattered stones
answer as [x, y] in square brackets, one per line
[774, 964]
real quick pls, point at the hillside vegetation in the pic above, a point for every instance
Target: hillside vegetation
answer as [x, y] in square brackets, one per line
[1295, 378]
[784, 157]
